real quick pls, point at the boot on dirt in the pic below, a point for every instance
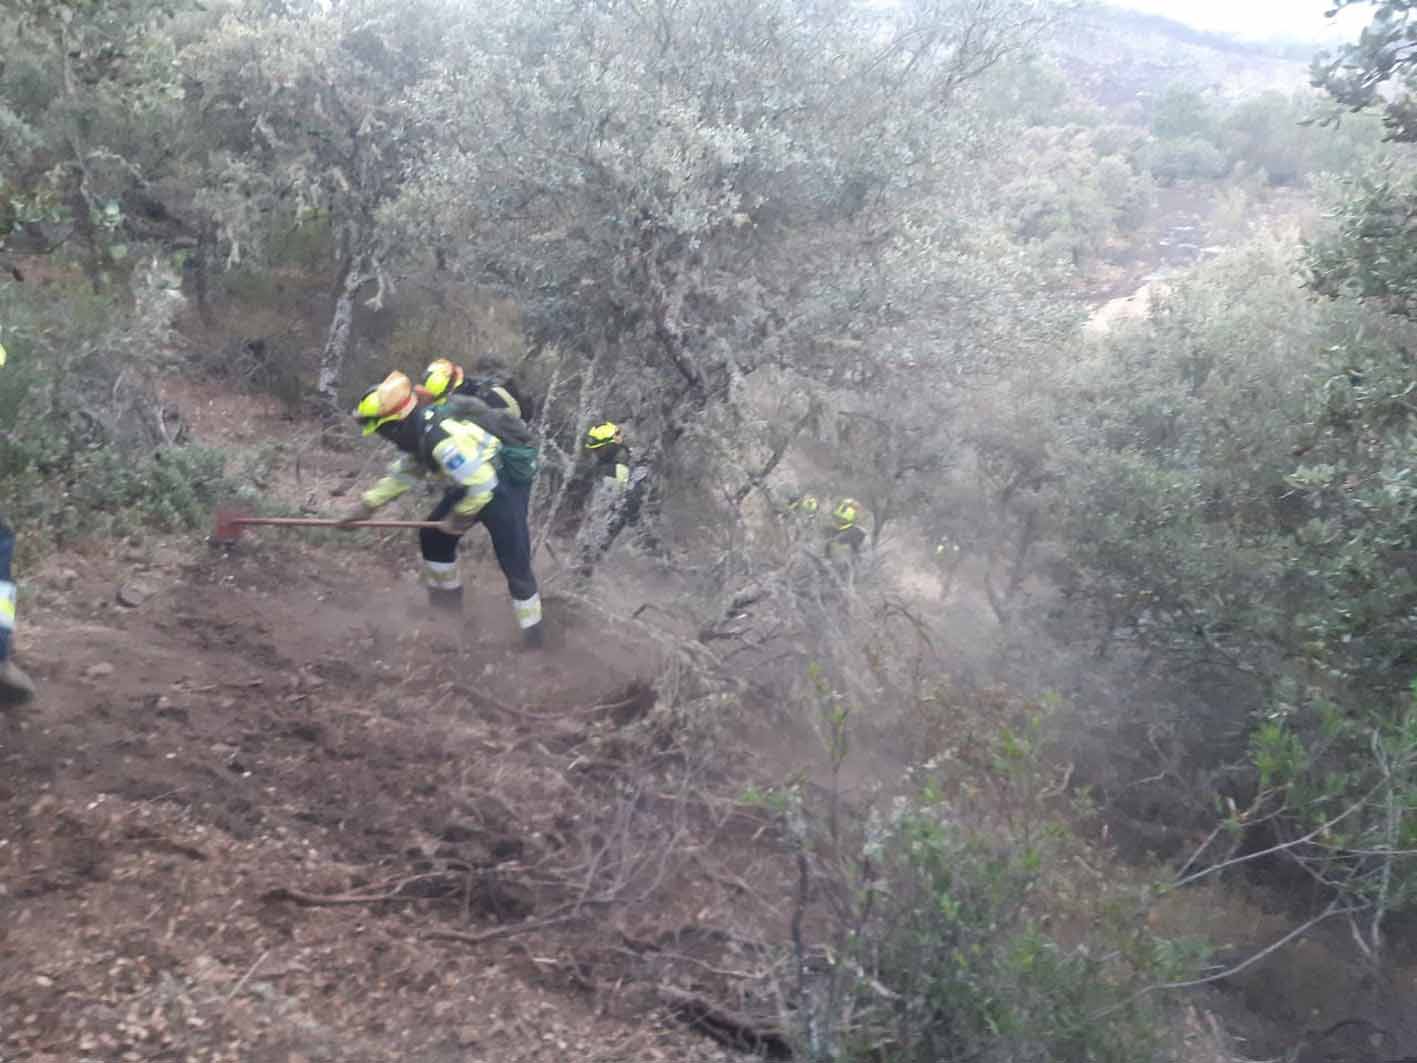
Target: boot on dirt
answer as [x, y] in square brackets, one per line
[534, 637]
[445, 600]
[16, 688]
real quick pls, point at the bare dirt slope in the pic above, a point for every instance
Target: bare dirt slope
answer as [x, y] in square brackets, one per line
[217, 779]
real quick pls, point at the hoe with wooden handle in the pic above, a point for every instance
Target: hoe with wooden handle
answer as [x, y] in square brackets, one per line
[228, 525]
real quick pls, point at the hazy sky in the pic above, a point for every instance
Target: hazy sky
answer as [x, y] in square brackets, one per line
[1258, 18]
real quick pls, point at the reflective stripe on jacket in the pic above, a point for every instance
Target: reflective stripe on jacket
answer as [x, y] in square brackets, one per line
[462, 454]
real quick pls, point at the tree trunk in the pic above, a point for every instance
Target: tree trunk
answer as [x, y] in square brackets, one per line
[337, 339]
[201, 271]
[78, 204]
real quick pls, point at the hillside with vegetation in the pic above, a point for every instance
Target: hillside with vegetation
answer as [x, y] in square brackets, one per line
[1103, 749]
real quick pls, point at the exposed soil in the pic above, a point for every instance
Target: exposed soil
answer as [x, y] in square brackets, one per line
[214, 783]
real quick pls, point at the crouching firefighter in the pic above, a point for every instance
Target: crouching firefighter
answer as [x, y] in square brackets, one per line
[616, 498]
[845, 537]
[440, 443]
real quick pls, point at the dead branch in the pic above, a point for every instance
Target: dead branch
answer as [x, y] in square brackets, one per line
[730, 1028]
[328, 900]
[498, 932]
[333, 900]
[1230, 972]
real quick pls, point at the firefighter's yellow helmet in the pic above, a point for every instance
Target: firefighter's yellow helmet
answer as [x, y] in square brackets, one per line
[441, 377]
[392, 400]
[844, 514]
[602, 435]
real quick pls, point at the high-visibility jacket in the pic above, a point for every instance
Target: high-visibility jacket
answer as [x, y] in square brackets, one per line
[517, 459]
[613, 463]
[456, 451]
[844, 544]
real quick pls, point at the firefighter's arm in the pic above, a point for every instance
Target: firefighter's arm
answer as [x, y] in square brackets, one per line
[472, 471]
[403, 474]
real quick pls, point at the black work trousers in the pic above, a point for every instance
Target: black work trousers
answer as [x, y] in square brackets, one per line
[505, 518]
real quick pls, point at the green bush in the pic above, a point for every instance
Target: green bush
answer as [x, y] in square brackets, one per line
[1183, 158]
[946, 928]
[977, 971]
[174, 489]
[1182, 113]
[70, 465]
[103, 492]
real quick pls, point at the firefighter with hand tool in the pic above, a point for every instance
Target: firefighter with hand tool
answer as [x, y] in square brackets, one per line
[436, 442]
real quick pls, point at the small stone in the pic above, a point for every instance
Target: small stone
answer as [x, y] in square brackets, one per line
[102, 670]
[65, 578]
[133, 594]
[459, 831]
[43, 805]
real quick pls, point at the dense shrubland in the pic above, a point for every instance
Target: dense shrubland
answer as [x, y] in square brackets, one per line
[1225, 490]
[757, 229]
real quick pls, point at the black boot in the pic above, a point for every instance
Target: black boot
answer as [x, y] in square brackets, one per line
[534, 637]
[445, 600]
[16, 688]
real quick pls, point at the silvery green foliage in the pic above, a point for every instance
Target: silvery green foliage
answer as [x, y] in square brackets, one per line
[87, 96]
[711, 188]
[293, 111]
[301, 107]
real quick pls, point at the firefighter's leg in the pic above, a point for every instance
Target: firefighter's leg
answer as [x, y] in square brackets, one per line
[641, 509]
[623, 507]
[440, 559]
[595, 534]
[15, 686]
[505, 518]
[7, 592]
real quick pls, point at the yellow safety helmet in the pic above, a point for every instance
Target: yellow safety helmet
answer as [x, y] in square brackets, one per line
[441, 377]
[602, 435]
[804, 504]
[844, 514]
[392, 400]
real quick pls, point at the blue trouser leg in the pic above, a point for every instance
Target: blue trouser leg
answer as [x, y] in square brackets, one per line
[7, 591]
